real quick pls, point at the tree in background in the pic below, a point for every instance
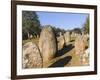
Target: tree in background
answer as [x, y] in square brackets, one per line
[76, 30]
[58, 30]
[86, 26]
[30, 24]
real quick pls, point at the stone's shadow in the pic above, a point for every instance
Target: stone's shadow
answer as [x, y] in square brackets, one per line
[86, 47]
[64, 50]
[72, 40]
[61, 62]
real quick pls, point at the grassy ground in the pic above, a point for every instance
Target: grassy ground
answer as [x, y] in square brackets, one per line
[36, 40]
[67, 59]
[63, 58]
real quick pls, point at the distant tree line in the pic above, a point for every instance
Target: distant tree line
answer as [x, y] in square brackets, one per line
[58, 30]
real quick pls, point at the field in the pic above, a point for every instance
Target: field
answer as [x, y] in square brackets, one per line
[65, 57]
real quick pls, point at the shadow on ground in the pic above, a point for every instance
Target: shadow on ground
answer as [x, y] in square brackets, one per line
[61, 62]
[64, 50]
[72, 40]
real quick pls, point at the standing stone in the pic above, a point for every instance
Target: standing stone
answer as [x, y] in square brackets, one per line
[79, 45]
[85, 59]
[73, 36]
[80, 48]
[61, 42]
[47, 44]
[31, 36]
[86, 39]
[67, 37]
[60, 33]
[31, 56]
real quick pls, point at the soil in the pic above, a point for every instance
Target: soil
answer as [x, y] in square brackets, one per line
[65, 57]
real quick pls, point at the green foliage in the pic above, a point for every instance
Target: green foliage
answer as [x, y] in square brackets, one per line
[86, 26]
[76, 30]
[30, 23]
[58, 30]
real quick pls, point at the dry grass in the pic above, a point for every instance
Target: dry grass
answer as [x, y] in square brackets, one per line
[73, 61]
[36, 40]
[63, 56]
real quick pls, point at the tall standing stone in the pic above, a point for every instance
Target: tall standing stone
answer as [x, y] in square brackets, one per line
[61, 42]
[73, 36]
[79, 45]
[31, 56]
[67, 37]
[47, 44]
[86, 39]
